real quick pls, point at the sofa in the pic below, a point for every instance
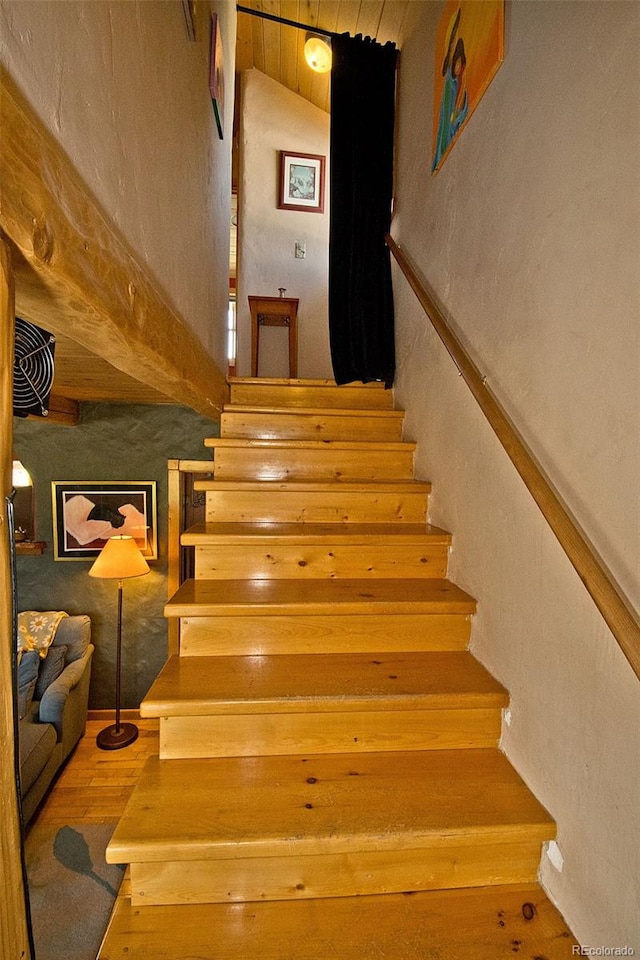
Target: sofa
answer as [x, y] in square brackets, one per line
[53, 694]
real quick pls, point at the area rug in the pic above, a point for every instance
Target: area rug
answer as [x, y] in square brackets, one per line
[71, 889]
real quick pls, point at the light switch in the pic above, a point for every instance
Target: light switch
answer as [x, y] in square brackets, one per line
[300, 250]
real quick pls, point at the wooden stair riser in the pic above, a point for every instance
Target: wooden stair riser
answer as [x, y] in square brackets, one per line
[440, 866]
[332, 505]
[222, 562]
[255, 635]
[323, 425]
[272, 734]
[283, 393]
[314, 463]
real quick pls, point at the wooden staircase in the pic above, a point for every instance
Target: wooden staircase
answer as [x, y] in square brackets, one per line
[328, 745]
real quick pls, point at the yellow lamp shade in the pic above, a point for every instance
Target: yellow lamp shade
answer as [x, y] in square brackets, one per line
[119, 559]
[317, 53]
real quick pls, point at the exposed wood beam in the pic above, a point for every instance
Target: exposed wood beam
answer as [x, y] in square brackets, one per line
[100, 294]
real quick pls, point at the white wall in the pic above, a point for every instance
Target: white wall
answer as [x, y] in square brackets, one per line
[126, 94]
[530, 236]
[274, 119]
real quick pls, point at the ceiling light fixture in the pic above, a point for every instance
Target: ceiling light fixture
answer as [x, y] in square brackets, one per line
[317, 52]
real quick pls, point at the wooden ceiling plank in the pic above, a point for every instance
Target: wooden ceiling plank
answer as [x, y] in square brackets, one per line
[272, 39]
[291, 43]
[257, 31]
[392, 20]
[348, 14]
[244, 42]
[369, 18]
[110, 303]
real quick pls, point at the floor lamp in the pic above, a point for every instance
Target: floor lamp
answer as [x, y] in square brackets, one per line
[119, 559]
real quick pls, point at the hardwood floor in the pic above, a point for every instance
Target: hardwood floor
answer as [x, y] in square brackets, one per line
[95, 784]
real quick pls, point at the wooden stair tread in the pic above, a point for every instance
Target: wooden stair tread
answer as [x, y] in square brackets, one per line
[309, 597]
[325, 804]
[304, 382]
[485, 923]
[291, 683]
[316, 533]
[356, 412]
[260, 443]
[311, 486]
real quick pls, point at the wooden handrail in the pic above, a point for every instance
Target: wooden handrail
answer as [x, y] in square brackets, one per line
[616, 610]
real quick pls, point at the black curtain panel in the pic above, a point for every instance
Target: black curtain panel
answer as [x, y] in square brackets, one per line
[362, 126]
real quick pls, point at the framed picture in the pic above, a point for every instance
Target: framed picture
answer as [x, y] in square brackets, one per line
[301, 184]
[86, 515]
[216, 74]
[469, 52]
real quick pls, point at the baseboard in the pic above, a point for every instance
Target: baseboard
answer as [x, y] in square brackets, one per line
[109, 715]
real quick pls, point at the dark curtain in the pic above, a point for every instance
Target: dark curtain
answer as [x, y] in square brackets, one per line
[362, 127]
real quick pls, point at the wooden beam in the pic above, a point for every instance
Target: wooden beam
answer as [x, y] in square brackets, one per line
[101, 295]
[12, 904]
[61, 410]
[615, 608]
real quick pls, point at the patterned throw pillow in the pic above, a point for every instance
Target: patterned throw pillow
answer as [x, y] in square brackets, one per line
[36, 629]
[50, 669]
[27, 676]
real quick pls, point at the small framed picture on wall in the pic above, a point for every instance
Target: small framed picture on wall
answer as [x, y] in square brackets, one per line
[301, 182]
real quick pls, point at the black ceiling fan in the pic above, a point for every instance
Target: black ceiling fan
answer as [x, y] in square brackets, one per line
[33, 369]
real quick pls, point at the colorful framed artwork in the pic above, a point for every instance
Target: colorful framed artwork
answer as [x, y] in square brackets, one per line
[86, 515]
[216, 74]
[301, 182]
[469, 52]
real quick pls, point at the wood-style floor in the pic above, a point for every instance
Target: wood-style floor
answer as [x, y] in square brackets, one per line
[473, 924]
[95, 784]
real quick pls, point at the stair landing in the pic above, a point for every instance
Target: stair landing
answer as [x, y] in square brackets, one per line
[486, 923]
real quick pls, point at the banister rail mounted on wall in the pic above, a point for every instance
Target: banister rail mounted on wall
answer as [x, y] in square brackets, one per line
[616, 610]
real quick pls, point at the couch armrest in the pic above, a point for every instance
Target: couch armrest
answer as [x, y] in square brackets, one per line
[64, 702]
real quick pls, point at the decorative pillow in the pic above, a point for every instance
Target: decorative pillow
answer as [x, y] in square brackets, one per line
[50, 669]
[36, 630]
[75, 634]
[27, 676]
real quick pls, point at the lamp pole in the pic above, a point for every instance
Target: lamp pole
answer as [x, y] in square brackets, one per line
[118, 734]
[119, 559]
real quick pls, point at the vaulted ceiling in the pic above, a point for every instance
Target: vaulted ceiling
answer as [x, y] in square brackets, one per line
[277, 50]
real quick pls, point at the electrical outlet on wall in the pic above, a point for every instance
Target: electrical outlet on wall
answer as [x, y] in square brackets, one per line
[300, 250]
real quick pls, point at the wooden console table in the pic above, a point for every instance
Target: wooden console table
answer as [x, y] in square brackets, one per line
[274, 312]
